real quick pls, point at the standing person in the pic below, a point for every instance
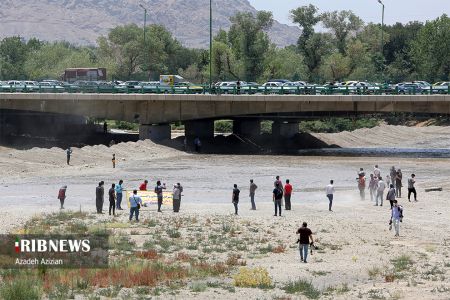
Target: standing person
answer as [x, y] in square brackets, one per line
[388, 180]
[135, 205]
[304, 240]
[197, 145]
[411, 188]
[391, 195]
[99, 197]
[376, 171]
[62, 195]
[68, 153]
[330, 193]
[253, 188]
[362, 184]
[119, 194]
[105, 127]
[277, 182]
[380, 191]
[277, 196]
[159, 193]
[372, 187]
[396, 217]
[398, 183]
[393, 173]
[114, 161]
[238, 85]
[143, 186]
[287, 195]
[112, 199]
[235, 198]
[176, 196]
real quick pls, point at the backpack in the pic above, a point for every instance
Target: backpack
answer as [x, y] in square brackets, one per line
[278, 193]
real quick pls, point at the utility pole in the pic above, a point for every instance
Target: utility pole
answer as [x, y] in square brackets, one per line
[210, 46]
[382, 38]
[145, 25]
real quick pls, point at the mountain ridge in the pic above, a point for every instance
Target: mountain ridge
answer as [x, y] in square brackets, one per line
[83, 21]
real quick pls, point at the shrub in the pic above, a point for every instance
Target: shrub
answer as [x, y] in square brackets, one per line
[21, 289]
[223, 126]
[402, 263]
[252, 277]
[302, 286]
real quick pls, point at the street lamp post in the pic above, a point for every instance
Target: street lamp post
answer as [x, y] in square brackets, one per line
[210, 46]
[145, 25]
[382, 37]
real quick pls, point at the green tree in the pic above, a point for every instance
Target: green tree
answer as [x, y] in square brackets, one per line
[285, 63]
[13, 53]
[306, 17]
[250, 42]
[318, 46]
[431, 50]
[342, 24]
[335, 67]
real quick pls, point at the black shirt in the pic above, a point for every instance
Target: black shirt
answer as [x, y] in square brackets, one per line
[304, 232]
[278, 192]
[236, 192]
[111, 194]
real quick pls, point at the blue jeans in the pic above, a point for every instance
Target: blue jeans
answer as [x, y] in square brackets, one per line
[303, 251]
[330, 198]
[134, 210]
[278, 205]
[119, 200]
[252, 200]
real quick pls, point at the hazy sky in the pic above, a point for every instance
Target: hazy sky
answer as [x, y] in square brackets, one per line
[369, 10]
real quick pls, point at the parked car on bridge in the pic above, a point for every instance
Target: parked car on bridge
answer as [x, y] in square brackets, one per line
[409, 88]
[271, 87]
[442, 87]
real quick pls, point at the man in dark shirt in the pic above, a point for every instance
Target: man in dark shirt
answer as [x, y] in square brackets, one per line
[99, 197]
[112, 199]
[159, 193]
[305, 237]
[277, 198]
[235, 198]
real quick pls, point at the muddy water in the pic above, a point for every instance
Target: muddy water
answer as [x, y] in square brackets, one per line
[208, 179]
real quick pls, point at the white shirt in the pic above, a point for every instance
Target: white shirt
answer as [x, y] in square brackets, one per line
[381, 186]
[376, 172]
[330, 189]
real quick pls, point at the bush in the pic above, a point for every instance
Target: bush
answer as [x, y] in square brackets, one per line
[337, 124]
[302, 286]
[223, 126]
[252, 277]
[126, 125]
[21, 289]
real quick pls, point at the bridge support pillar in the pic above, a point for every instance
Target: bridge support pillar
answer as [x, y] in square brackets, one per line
[284, 129]
[247, 128]
[155, 133]
[203, 129]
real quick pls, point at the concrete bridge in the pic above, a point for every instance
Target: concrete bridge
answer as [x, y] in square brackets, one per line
[155, 112]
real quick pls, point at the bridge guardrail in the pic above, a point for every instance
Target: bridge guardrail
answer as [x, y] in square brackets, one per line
[244, 90]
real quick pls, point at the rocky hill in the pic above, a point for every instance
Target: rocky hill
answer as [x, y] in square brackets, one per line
[82, 21]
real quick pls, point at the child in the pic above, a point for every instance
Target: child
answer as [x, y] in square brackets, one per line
[114, 161]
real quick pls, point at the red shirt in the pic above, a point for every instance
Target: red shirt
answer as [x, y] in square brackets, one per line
[143, 187]
[287, 189]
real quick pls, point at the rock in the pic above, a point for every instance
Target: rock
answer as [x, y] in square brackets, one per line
[434, 189]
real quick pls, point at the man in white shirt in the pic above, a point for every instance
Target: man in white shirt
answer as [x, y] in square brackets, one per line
[376, 171]
[380, 191]
[330, 192]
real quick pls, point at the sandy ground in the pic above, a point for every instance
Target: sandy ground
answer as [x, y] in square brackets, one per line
[29, 182]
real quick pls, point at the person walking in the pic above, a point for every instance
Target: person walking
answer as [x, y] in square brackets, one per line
[330, 193]
[99, 197]
[362, 184]
[380, 191]
[372, 187]
[287, 195]
[176, 196]
[112, 199]
[412, 188]
[119, 194]
[143, 186]
[114, 161]
[62, 195]
[376, 171]
[304, 241]
[277, 197]
[135, 205]
[68, 153]
[235, 198]
[396, 217]
[197, 145]
[398, 183]
[393, 173]
[105, 127]
[391, 195]
[252, 189]
[159, 193]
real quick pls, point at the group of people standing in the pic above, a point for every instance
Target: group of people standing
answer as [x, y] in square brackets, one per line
[277, 195]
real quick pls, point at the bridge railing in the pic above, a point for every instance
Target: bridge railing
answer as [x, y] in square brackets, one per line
[243, 90]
